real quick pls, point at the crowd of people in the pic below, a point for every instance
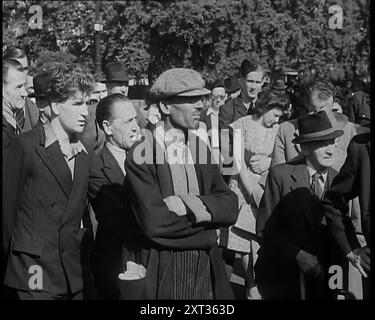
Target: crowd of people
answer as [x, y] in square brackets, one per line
[103, 199]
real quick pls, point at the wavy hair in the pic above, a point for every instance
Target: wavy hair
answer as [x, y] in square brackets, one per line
[66, 80]
[270, 99]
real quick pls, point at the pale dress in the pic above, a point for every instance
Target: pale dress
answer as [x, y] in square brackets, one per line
[256, 140]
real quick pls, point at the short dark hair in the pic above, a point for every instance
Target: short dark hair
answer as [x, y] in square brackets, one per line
[249, 66]
[66, 79]
[14, 53]
[104, 108]
[10, 63]
[270, 99]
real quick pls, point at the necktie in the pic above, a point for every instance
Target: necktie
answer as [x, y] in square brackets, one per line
[315, 186]
[250, 111]
[19, 116]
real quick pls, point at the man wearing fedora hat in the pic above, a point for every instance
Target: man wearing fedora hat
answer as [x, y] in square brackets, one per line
[294, 254]
[178, 198]
[232, 86]
[116, 78]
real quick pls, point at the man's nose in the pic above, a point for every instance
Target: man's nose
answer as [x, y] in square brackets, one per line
[85, 110]
[23, 92]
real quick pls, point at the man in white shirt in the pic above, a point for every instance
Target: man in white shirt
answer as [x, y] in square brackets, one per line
[210, 117]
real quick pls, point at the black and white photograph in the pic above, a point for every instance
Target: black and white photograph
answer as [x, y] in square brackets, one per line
[186, 150]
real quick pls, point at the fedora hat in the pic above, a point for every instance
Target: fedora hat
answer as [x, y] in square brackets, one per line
[41, 84]
[232, 84]
[278, 84]
[115, 72]
[317, 127]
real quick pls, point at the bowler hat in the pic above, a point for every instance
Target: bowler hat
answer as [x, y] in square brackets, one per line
[41, 84]
[316, 126]
[178, 82]
[232, 84]
[115, 72]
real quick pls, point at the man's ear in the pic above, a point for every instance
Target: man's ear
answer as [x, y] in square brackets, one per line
[55, 108]
[165, 108]
[107, 127]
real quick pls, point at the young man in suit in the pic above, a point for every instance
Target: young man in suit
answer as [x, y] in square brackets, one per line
[293, 258]
[178, 199]
[117, 118]
[44, 195]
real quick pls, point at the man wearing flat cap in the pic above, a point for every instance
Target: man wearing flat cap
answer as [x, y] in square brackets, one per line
[178, 199]
[296, 244]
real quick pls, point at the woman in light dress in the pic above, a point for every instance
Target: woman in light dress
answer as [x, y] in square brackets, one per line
[257, 134]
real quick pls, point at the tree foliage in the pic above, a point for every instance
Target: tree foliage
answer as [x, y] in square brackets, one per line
[211, 36]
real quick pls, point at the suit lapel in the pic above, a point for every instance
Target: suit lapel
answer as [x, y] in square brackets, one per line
[300, 179]
[55, 162]
[240, 108]
[111, 168]
[81, 168]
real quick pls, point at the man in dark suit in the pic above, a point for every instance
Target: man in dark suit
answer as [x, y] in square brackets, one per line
[117, 118]
[178, 199]
[28, 111]
[252, 80]
[44, 195]
[294, 255]
[353, 180]
[14, 94]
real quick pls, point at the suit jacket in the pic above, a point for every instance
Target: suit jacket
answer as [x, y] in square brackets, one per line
[8, 134]
[92, 135]
[163, 231]
[354, 179]
[284, 150]
[31, 115]
[290, 222]
[106, 196]
[231, 111]
[42, 211]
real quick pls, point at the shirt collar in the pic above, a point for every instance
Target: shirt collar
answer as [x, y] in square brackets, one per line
[115, 150]
[312, 171]
[211, 110]
[68, 149]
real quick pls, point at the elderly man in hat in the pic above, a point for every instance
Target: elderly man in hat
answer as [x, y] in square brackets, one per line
[294, 254]
[178, 198]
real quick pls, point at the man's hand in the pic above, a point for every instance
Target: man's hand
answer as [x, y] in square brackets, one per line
[175, 204]
[259, 163]
[309, 264]
[360, 259]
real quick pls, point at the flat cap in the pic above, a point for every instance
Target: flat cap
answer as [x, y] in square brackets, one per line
[178, 82]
